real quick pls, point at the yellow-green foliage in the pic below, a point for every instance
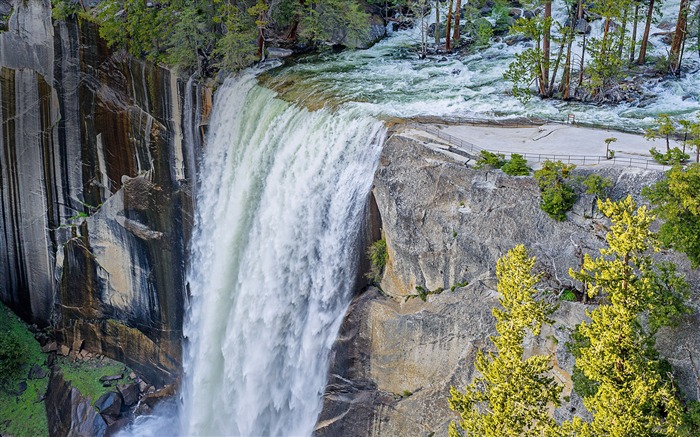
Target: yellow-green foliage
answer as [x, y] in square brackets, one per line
[633, 396]
[512, 395]
[26, 413]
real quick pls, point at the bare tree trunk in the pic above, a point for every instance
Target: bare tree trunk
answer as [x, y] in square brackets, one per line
[458, 13]
[566, 79]
[645, 38]
[634, 32]
[550, 92]
[625, 13]
[678, 38]
[437, 24]
[546, 40]
[542, 80]
[448, 31]
[583, 57]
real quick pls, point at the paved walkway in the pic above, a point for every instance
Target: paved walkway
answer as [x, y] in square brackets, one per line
[568, 143]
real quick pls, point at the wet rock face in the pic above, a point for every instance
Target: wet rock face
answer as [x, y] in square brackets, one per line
[95, 190]
[397, 356]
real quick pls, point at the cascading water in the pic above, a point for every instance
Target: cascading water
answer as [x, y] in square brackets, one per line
[279, 211]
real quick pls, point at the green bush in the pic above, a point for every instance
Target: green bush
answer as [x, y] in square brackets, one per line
[557, 200]
[674, 156]
[22, 415]
[13, 355]
[691, 419]
[517, 166]
[597, 185]
[558, 197]
[495, 160]
[568, 296]
[377, 259]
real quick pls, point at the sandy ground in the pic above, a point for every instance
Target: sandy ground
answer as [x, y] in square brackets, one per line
[579, 145]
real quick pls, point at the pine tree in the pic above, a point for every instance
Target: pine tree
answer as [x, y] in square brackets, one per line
[512, 395]
[676, 199]
[632, 395]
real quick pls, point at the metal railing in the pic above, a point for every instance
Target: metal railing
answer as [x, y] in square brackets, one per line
[475, 151]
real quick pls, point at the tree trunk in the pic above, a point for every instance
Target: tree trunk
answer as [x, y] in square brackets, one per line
[542, 80]
[437, 24]
[546, 40]
[645, 38]
[634, 32]
[583, 57]
[550, 92]
[678, 38]
[566, 78]
[625, 13]
[291, 34]
[458, 13]
[448, 29]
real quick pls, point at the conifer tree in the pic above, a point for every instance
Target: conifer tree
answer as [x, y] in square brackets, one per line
[676, 199]
[632, 395]
[512, 395]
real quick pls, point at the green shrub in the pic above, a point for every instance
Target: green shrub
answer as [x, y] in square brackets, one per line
[377, 259]
[13, 356]
[22, 415]
[557, 200]
[691, 419]
[568, 296]
[597, 185]
[517, 166]
[674, 156]
[495, 160]
[558, 197]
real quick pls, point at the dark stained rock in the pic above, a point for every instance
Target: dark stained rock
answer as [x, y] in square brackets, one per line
[97, 134]
[37, 372]
[21, 388]
[130, 393]
[68, 412]
[109, 378]
[109, 404]
[115, 426]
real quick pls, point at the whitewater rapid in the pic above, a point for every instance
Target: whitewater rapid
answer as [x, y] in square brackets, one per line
[279, 213]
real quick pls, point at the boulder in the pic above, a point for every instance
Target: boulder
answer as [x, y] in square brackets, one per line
[109, 404]
[49, 347]
[110, 378]
[582, 27]
[130, 393]
[37, 372]
[278, 53]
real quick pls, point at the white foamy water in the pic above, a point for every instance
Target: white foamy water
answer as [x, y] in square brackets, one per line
[390, 80]
[279, 212]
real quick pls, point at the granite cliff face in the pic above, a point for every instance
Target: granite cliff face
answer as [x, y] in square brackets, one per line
[98, 161]
[444, 224]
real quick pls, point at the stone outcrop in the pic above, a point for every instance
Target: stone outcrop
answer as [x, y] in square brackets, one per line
[98, 158]
[69, 413]
[445, 224]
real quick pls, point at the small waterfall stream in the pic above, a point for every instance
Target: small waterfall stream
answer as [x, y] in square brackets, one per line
[279, 212]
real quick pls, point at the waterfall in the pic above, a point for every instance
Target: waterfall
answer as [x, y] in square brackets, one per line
[279, 211]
